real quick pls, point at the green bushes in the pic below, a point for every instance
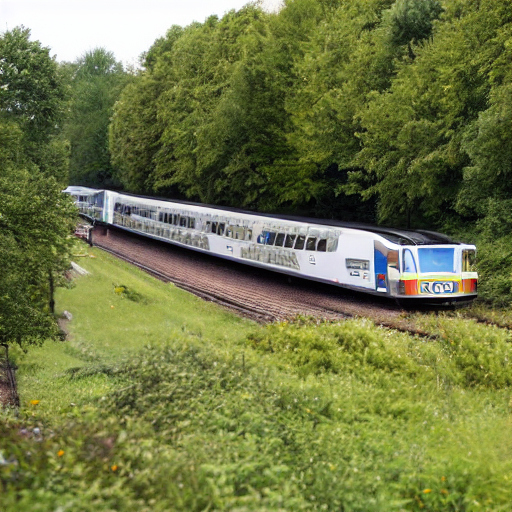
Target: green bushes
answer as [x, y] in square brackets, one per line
[303, 416]
[466, 353]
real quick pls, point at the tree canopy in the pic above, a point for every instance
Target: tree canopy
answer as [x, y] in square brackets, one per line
[96, 81]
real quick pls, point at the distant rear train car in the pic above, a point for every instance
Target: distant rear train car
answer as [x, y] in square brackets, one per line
[423, 266]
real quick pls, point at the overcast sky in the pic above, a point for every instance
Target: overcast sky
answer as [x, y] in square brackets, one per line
[125, 27]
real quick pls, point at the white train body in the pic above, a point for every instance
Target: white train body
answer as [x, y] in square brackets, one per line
[419, 265]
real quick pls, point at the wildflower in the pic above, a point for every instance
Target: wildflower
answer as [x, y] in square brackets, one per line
[60, 453]
[113, 467]
[34, 402]
[111, 307]
[443, 479]
[426, 491]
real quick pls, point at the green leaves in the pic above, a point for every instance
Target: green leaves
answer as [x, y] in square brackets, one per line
[30, 87]
[96, 84]
[36, 222]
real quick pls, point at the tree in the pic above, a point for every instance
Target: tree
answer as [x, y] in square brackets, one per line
[412, 133]
[135, 130]
[32, 94]
[36, 221]
[96, 84]
[31, 91]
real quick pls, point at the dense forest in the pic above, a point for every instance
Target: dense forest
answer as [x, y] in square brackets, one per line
[394, 112]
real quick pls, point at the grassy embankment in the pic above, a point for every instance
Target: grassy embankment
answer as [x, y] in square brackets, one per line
[161, 402]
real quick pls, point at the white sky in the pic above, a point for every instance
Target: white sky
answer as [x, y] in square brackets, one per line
[125, 27]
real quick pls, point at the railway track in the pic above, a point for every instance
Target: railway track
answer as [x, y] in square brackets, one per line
[258, 294]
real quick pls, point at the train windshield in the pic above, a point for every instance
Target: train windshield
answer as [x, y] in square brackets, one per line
[436, 260]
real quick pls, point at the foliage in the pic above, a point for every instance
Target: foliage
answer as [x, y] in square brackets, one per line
[203, 420]
[96, 83]
[32, 95]
[36, 220]
[31, 91]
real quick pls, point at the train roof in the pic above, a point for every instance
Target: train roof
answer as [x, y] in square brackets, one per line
[397, 236]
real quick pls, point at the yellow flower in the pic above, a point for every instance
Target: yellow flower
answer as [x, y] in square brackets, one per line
[443, 479]
[444, 491]
[60, 453]
[426, 491]
[114, 467]
[34, 402]
[111, 307]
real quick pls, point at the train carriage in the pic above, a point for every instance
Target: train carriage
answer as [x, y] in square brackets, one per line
[422, 266]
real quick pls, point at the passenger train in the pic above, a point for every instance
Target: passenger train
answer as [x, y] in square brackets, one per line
[423, 266]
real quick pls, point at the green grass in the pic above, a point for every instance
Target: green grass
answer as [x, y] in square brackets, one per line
[187, 407]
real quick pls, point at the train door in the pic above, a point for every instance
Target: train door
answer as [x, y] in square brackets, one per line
[358, 262]
[386, 268]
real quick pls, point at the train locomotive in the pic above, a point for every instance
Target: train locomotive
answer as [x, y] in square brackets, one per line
[407, 265]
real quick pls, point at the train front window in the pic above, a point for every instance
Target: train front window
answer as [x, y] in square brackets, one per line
[408, 263]
[436, 260]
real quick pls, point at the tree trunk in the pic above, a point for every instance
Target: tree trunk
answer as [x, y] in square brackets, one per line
[52, 290]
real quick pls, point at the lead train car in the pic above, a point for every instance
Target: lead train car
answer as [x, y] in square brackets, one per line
[420, 265]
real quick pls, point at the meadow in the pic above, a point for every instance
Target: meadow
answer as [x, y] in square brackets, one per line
[159, 401]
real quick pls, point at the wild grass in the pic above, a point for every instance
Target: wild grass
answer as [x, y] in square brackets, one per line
[168, 403]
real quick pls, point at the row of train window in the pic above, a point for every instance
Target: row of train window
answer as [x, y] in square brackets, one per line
[290, 241]
[293, 241]
[166, 218]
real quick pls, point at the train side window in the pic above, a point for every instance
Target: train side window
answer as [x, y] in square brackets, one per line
[332, 244]
[468, 260]
[271, 238]
[248, 235]
[183, 222]
[214, 227]
[290, 239]
[221, 228]
[299, 243]
[191, 223]
[229, 232]
[279, 239]
[322, 245]
[160, 217]
[311, 243]
[408, 264]
[208, 227]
